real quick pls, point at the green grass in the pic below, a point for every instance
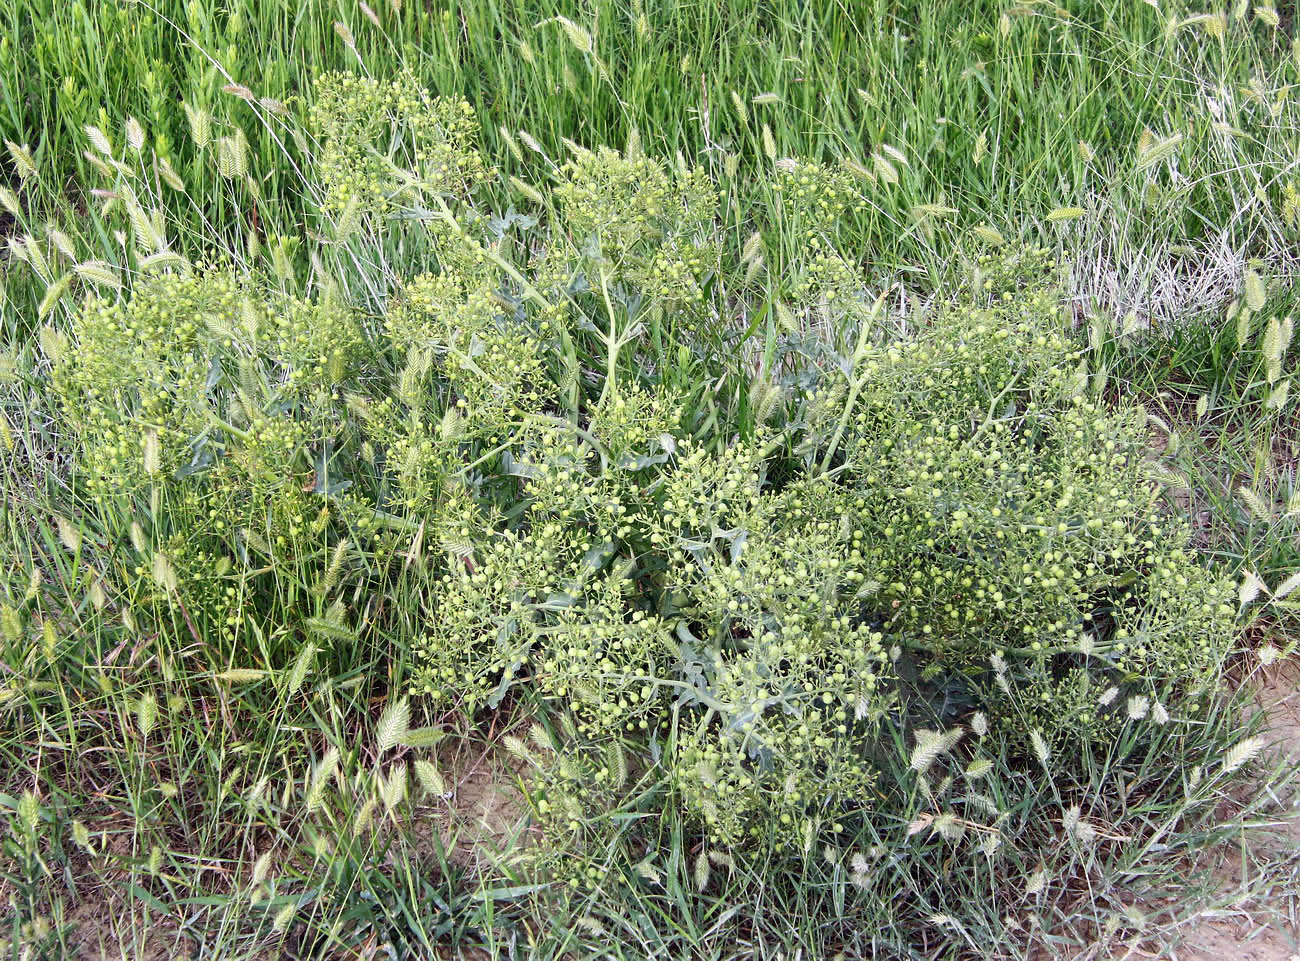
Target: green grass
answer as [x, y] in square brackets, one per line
[1210, 385]
[168, 796]
[990, 105]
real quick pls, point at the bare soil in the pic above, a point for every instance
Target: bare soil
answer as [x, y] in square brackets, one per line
[1261, 931]
[484, 816]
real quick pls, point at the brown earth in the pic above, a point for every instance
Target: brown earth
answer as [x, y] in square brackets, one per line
[483, 818]
[1261, 931]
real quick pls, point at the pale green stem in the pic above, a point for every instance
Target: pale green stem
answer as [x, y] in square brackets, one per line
[611, 341]
[856, 386]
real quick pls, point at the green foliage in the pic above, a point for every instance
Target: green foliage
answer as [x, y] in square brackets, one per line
[732, 606]
[146, 381]
[832, 622]
[1160, 126]
[368, 127]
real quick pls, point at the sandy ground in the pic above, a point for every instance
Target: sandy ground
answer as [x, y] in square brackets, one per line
[484, 816]
[1245, 937]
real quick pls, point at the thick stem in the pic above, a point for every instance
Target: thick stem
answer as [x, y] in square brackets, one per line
[855, 388]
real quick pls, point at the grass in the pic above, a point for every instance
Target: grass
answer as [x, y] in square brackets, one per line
[1176, 137]
[176, 784]
[1235, 453]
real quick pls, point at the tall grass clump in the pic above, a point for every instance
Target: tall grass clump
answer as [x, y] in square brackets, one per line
[1159, 139]
[782, 603]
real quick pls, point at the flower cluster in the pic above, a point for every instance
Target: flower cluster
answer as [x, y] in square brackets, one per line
[814, 197]
[633, 204]
[655, 229]
[734, 612]
[960, 497]
[1004, 274]
[1009, 515]
[826, 289]
[191, 363]
[205, 412]
[790, 666]
[380, 140]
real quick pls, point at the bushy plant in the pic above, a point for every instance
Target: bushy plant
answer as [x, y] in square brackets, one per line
[368, 127]
[750, 613]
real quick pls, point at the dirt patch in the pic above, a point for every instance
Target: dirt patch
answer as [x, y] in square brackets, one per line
[1265, 928]
[1224, 941]
[104, 930]
[483, 817]
[1279, 699]
[1256, 913]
